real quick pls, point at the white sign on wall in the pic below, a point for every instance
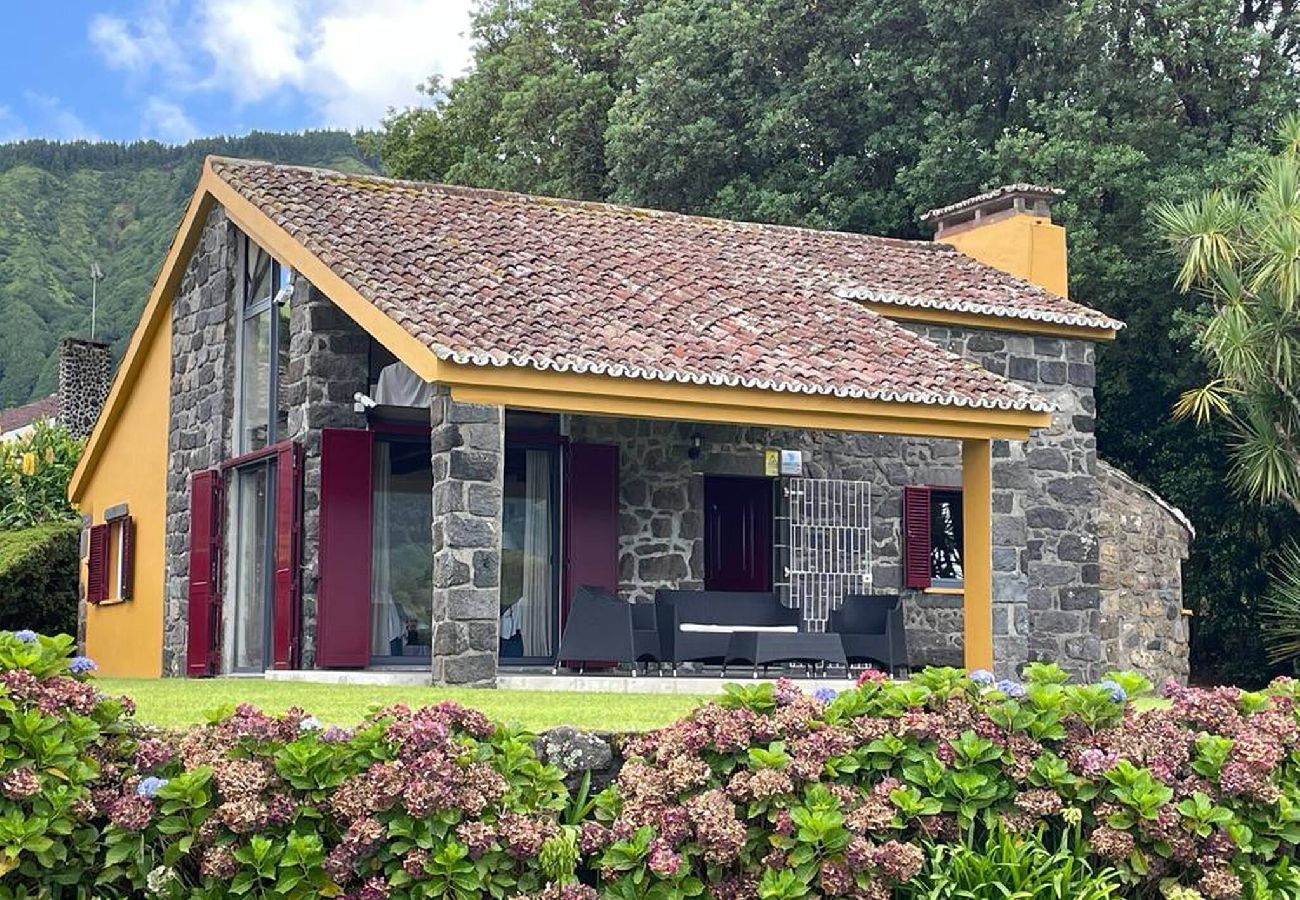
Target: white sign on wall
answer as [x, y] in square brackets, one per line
[792, 462]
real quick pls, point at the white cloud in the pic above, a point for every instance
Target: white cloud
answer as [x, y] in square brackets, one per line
[138, 45]
[11, 127]
[351, 60]
[55, 120]
[167, 122]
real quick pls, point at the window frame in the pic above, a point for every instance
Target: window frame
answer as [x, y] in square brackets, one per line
[938, 493]
[250, 308]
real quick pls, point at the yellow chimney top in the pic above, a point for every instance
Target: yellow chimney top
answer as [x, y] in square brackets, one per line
[1009, 228]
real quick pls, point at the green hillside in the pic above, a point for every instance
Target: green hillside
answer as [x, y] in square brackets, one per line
[63, 206]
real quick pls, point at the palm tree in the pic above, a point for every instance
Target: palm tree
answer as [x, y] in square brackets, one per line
[1241, 251]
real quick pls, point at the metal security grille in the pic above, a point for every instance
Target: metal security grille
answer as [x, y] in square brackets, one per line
[829, 544]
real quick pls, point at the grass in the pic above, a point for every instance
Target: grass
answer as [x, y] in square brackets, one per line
[174, 702]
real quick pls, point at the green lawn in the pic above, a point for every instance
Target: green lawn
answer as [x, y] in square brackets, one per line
[181, 701]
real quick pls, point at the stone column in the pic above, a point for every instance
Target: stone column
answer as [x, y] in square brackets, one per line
[468, 458]
[328, 362]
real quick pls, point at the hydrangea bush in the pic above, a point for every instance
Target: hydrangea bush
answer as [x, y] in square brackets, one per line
[873, 793]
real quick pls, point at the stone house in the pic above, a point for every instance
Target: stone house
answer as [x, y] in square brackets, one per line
[371, 424]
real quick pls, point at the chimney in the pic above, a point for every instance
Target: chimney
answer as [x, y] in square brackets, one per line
[1009, 228]
[84, 376]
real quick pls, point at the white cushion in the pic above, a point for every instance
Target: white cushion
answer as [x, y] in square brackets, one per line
[706, 628]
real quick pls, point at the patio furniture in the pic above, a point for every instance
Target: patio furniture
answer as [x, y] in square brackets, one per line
[696, 626]
[871, 628]
[645, 634]
[763, 648]
[598, 627]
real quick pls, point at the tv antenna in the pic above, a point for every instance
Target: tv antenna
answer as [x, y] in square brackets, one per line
[95, 274]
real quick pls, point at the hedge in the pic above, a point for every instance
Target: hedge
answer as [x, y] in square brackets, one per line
[909, 789]
[38, 577]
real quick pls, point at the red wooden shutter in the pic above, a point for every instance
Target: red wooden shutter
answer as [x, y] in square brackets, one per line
[127, 572]
[343, 597]
[916, 537]
[204, 639]
[287, 615]
[591, 520]
[97, 565]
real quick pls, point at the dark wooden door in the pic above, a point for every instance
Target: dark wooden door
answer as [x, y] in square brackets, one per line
[737, 534]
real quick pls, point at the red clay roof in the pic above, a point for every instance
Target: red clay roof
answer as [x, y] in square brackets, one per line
[487, 277]
[19, 416]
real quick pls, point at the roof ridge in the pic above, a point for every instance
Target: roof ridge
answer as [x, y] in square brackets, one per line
[550, 200]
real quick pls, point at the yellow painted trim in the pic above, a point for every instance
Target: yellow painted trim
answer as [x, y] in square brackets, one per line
[262, 229]
[949, 591]
[957, 318]
[977, 552]
[526, 388]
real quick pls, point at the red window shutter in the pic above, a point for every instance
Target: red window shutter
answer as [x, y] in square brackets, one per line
[287, 615]
[97, 565]
[127, 573]
[591, 521]
[204, 638]
[343, 598]
[916, 537]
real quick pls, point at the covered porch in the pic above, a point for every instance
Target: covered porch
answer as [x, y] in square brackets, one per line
[679, 487]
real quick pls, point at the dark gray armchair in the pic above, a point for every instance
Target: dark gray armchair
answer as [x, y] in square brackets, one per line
[600, 627]
[871, 627]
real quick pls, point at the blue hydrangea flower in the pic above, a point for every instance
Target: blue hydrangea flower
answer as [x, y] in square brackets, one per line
[310, 723]
[982, 677]
[27, 636]
[149, 787]
[81, 665]
[825, 694]
[1013, 689]
[1117, 693]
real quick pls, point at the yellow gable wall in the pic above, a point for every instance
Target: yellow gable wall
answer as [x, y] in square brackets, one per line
[126, 638]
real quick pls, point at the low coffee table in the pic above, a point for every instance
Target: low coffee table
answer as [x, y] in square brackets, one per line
[763, 648]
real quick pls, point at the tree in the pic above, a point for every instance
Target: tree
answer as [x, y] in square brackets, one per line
[859, 114]
[1242, 252]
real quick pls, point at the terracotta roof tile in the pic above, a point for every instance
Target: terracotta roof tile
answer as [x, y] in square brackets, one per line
[488, 277]
[20, 416]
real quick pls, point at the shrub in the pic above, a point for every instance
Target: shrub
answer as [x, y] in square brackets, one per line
[34, 474]
[773, 794]
[1010, 866]
[38, 577]
[940, 784]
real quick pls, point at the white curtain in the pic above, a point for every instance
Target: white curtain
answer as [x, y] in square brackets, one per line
[535, 605]
[385, 618]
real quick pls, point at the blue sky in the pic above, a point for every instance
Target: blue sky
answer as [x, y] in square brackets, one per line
[172, 71]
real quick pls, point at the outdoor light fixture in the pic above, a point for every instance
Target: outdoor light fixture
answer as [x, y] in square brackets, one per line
[696, 447]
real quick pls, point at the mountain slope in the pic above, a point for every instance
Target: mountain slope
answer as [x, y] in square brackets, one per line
[64, 206]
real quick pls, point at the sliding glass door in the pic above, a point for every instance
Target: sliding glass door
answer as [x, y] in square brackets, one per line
[530, 545]
[401, 611]
[249, 628]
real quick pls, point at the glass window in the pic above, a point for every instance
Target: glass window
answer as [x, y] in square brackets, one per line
[401, 625]
[946, 538]
[527, 593]
[264, 352]
[282, 333]
[255, 381]
[251, 610]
